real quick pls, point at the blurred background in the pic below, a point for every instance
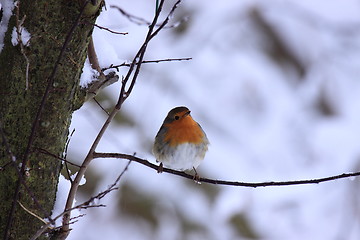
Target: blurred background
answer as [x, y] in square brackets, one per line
[275, 85]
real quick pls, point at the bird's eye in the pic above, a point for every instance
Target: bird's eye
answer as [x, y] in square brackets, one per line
[176, 117]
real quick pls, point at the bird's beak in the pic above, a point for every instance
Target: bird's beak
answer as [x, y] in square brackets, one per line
[187, 113]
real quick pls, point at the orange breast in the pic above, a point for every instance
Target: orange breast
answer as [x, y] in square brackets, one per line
[182, 131]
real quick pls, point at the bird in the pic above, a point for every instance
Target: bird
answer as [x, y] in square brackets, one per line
[181, 143]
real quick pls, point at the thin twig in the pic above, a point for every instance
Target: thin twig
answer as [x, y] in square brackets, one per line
[19, 30]
[140, 55]
[228, 183]
[147, 61]
[44, 151]
[132, 18]
[2, 168]
[79, 176]
[31, 213]
[65, 155]
[142, 21]
[92, 56]
[48, 224]
[167, 19]
[101, 82]
[97, 102]
[109, 30]
[85, 204]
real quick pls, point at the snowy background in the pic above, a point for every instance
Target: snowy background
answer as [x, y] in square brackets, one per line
[275, 85]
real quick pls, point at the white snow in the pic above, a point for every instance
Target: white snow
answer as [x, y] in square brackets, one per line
[61, 197]
[6, 6]
[24, 37]
[88, 74]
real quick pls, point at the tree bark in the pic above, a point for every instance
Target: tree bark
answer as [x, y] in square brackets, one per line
[49, 23]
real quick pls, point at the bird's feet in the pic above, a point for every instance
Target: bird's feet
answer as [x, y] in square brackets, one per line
[196, 177]
[160, 168]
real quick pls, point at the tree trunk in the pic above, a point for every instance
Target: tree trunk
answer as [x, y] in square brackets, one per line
[49, 23]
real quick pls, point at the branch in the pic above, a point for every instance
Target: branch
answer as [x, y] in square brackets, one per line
[102, 108]
[223, 182]
[65, 155]
[93, 59]
[31, 213]
[140, 55]
[122, 97]
[46, 152]
[85, 204]
[107, 29]
[142, 21]
[132, 18]
[102, 80]
[147, 61]
[19, 31]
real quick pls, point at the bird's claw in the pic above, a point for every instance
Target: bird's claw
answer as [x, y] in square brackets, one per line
[160, 168]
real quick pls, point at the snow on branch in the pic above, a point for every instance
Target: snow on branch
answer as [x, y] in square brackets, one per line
[7, 7]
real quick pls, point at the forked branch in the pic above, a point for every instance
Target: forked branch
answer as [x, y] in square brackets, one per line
[125, 91]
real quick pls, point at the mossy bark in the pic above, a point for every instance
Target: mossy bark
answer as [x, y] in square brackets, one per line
[48, 22]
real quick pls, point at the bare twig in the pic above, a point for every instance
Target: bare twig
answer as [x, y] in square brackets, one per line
[142, 21]
[85, 204]
[97, 102]
[31, 213]
[102, 82]
[65, 155]
[140, 55]
[167, 19]
[109, 30]
[228, 183]
[132, 18]
[2, 168]
[44, 151]
[112, 186]
[48, 224]
[93, 59]
[147, 61]
[19, 31]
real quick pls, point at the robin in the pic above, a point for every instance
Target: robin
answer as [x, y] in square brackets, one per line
[181, 143]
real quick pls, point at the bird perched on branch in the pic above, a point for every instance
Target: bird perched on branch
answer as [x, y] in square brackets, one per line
[181, 143]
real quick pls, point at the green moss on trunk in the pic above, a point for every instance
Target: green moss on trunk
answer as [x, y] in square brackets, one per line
[48, 22]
